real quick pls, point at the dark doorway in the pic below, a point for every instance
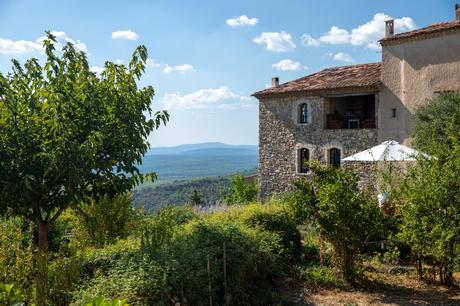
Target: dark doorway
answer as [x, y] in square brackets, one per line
[335, 157]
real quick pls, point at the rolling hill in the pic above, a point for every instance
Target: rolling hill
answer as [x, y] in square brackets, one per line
[199, 160]
[206, 167]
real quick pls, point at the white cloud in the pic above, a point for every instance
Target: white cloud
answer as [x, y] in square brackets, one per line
[342, 57]
[126, 34]
[276, 41]
[242, 21]
[367, 34]
[288, 65]
[151, 63]
[309, 41]
[63, 38]
[96, 69]
[336, 36]
[8, 46]
[185, 68]
[168, 69]
[221, 98]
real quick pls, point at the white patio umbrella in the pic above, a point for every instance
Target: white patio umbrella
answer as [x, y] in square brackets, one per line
[386, 151]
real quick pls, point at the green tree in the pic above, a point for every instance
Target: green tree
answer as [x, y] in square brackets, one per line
[240, 191]
[430, 190]
[67, 134]
[104, 221]
[437, 125]
[344, 215]
[195, 198]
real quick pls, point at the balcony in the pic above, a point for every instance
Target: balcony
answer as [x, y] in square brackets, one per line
[350, 112]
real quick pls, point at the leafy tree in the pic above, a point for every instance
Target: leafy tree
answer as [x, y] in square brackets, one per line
[344, 215]
[430, 191]
[67, 134]
[437, 125]
[104, 221]
[195, 198]
[240, 191]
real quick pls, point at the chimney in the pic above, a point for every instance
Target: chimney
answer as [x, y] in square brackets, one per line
[275, 81]
[389, 28]
[457, 12]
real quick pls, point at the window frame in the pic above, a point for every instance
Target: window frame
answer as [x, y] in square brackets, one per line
[331, 158]
[304, 112]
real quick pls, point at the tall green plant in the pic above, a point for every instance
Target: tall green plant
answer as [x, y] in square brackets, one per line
[16, 253]
[240, 192]
[103, 221]
[344, 215]
[430, 191]
[67, 134]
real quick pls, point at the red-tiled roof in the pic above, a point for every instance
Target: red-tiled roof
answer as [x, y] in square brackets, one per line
[362, 75]
[426, 31]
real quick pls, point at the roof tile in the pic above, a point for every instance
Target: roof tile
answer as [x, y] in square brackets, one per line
[362, 75]
[432, 29]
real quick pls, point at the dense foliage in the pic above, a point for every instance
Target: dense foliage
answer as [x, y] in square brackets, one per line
[344, 215]
[429, 194]
[173, 256]
[437, 123]
[240, 191]
[153, 198]
[103, 221]
[67, 134]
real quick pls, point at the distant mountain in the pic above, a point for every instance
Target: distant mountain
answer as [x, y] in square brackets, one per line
[200, 160]
[200, 146]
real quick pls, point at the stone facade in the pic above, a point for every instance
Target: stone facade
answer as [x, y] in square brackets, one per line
[281, 137]
[416, 66]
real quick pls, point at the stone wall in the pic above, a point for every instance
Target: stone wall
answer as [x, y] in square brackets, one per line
[280, 137]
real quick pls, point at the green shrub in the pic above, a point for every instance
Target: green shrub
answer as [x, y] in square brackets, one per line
[322, 277]
[17, 254]
[64, 275]
[345, 216]
[174, 269]
[102, 222]
[271, 217]
[9, 295]
[240, 192]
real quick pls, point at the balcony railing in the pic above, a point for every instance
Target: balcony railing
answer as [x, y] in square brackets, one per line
[349, 122]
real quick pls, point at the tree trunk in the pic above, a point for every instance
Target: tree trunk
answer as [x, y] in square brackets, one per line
[43, 236]
[42, 269]
[419, 267]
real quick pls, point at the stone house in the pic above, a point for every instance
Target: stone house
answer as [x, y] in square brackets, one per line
[337, 112]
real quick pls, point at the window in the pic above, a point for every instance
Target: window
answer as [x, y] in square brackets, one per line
[393, 113]
[304, 157]
[303, 113]
[334, 157]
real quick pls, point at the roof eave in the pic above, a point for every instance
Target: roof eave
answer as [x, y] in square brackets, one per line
[395, 40]
[374, 88]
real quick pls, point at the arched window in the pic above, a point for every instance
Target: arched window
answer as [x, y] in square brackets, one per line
[303, 113]
[304, 158]
[335, 157]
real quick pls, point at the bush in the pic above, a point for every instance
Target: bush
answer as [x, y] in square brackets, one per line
[321, 277]
[240, 192]
[345, 216]
[102, 222]
[16, 254]
[174, 268]
[271, 217]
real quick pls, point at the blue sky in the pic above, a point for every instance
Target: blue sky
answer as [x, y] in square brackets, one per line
[206, 60]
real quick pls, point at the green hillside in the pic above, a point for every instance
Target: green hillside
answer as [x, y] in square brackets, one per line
[156, 196]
